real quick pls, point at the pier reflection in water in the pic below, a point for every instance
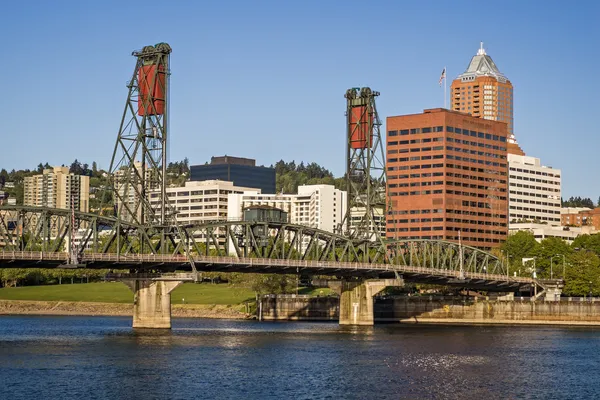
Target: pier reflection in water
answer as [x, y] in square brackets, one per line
[97, 357]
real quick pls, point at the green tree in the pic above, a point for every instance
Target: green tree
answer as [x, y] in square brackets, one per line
[549, 257]
[519, 245]
[587, 242]
[582, 274]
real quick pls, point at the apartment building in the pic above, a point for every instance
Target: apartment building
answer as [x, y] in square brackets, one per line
[57, 188]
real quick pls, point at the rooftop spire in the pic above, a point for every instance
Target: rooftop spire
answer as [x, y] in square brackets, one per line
[481, 51]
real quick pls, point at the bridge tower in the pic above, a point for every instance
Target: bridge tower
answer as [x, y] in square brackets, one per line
[138, 170]
[365, 168]
[139, 161]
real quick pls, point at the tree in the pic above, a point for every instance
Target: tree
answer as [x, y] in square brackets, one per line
[76, 168]
[519, 245]
[547, 264]
[582, 274]
[587, 242]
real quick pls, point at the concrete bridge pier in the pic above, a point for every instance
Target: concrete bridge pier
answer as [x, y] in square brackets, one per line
[356, 299]
[151, 297]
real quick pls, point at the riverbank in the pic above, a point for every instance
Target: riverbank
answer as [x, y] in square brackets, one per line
[29, 307]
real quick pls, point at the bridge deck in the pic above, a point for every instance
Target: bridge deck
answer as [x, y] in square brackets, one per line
[474, 280]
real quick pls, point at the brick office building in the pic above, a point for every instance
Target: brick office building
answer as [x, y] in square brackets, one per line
[447, 177]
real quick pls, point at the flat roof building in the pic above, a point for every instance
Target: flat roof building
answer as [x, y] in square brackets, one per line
[447, 177]
[240, 171]
[534, 191]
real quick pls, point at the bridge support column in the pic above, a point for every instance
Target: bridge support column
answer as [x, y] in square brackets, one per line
[151, 297]
[356, 299]
[152, 302]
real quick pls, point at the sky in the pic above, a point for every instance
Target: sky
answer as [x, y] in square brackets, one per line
[266, 79]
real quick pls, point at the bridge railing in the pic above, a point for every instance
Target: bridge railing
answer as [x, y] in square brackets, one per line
[260, 262]
[33, 255]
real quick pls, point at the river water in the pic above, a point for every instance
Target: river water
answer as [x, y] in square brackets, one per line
[103, 358]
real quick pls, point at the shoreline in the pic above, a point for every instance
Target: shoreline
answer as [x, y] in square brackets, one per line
[34, 307]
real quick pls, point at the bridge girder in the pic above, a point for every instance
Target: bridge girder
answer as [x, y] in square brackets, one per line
[24, 228]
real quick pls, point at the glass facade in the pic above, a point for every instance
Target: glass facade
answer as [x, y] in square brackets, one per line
[241, 175]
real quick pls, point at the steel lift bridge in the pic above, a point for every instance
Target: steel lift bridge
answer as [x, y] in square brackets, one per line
[137, 229]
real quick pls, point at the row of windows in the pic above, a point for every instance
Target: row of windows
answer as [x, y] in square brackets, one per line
[472, 213]
[414, 131]
[475, 152]
[471, 194]
[454, 220]
[533, 217]
[415, 141]
[423, 175]
[528, 171]
[415, 184]
[417, 158]
[417, 193]
[473, 169]
[475, 161]
[479, 178]
[545, 189]
[415, 149]
[533, 195]
[426, 211]
[423, 166]
[540, 210]
[450, 229]
[476, 144]
[525, 178]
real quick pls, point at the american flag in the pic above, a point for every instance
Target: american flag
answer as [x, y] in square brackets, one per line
[442, 76]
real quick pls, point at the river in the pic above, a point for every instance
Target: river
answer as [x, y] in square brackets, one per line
[103, 358]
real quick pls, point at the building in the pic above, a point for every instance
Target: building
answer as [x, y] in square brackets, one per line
[240, 171]
[128, 190]
[484, 92]
[316, 206]
[57, 188]
[543, 231]
[534, 191]
[447, 178]
[200, 202]
[580, 216]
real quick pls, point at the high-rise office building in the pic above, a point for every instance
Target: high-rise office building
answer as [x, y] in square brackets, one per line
[447, 178]
[484, 92]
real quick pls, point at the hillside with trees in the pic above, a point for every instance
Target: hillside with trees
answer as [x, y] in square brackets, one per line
[291, 175]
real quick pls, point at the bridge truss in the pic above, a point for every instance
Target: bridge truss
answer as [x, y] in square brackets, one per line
[40, 237]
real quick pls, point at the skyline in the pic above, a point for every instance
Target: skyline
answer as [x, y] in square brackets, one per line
[268, 71]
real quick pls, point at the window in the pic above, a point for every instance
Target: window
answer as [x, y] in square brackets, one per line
[392, 133]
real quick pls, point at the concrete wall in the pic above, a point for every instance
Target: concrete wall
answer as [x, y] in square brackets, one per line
[431, 309]
[299, 308]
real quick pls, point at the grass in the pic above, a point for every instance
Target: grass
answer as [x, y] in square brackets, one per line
[114, 292]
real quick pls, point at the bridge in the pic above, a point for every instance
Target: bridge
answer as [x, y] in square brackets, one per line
[34, 237]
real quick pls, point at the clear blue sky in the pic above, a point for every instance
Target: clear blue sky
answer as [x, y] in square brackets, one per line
[266, 79]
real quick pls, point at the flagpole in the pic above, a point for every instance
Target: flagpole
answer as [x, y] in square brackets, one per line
[445, 85]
